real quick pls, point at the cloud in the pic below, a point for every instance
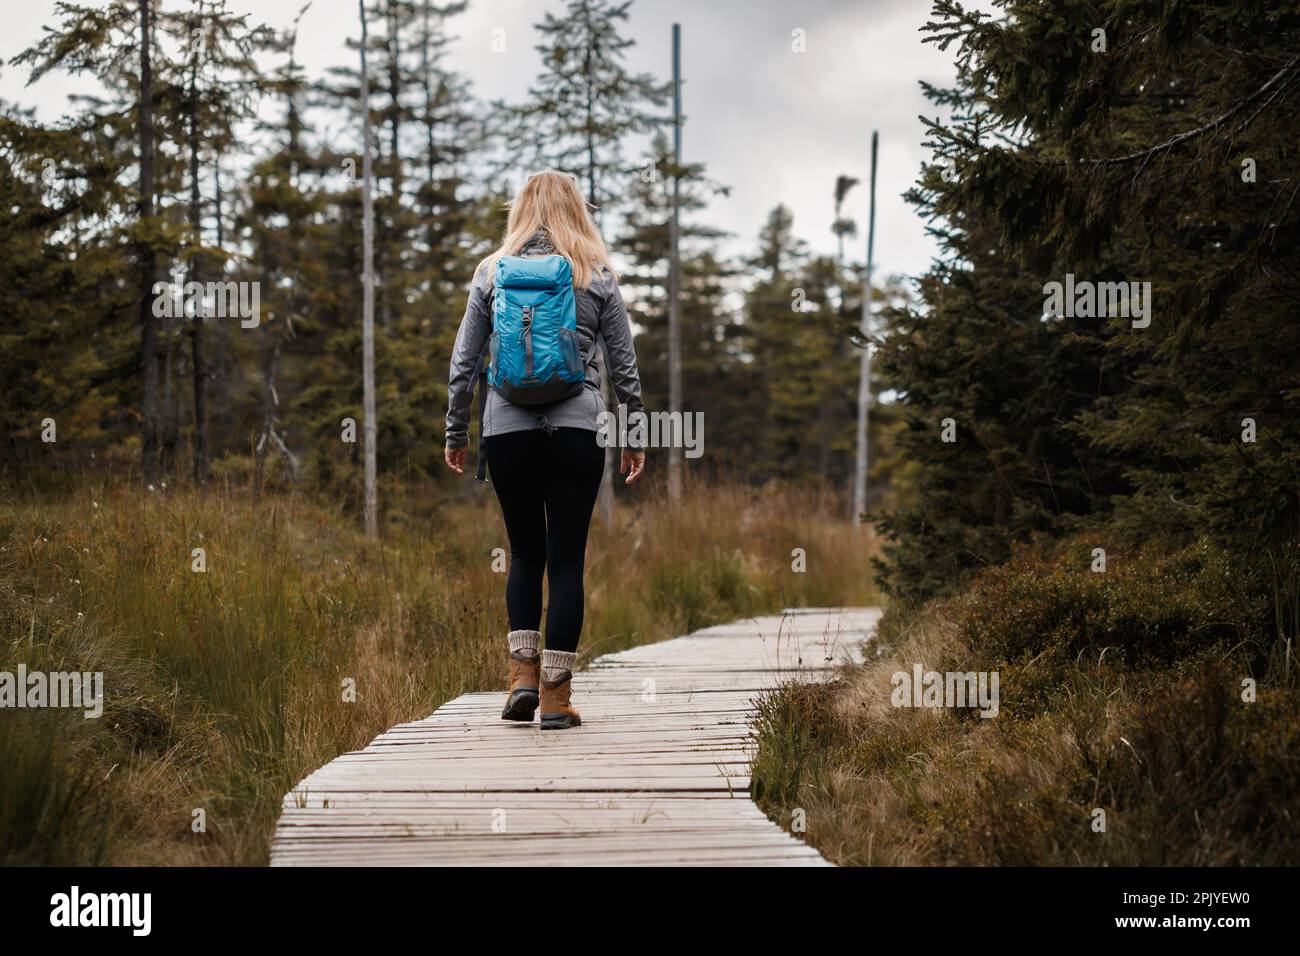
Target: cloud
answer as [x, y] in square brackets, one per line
[775, 125]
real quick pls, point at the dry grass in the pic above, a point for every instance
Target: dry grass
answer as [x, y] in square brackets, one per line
[224, 688]
[1105, 704]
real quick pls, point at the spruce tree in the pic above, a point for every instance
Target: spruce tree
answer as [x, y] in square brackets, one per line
[117, 45]
[1151, 147]
[710, 326]
[585, 103]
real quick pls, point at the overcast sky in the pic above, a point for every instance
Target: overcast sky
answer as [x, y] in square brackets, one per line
[774, 124]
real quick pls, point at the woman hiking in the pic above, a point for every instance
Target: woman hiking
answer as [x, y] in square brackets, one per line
[537, 308]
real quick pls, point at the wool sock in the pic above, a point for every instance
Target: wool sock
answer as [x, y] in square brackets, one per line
[524, 642]
[555, 664]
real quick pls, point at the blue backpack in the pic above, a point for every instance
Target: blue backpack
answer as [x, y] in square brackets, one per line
[534, 351]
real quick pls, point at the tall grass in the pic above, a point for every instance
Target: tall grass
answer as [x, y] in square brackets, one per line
[1152, 692]
[224, 687]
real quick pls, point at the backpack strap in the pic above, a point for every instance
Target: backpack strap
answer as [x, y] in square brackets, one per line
[480, 379]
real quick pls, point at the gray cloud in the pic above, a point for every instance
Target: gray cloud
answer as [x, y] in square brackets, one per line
[775, 125]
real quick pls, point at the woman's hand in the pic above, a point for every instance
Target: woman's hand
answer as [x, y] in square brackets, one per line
[632, 465]
[455, 458]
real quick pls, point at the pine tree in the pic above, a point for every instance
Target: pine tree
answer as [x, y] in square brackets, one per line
[430, 231]
[219, 85]
[1168, 159]
[842, 227]
[710, 327]
[282, 211]
[117, 45]
[585, 102]
[986, 385]
[58, 295]
[1121, 158]
[802, 377]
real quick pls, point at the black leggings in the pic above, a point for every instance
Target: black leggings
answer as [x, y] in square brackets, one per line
[547, 485]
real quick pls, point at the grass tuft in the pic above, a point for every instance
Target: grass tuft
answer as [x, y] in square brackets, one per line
[1124, 692]
[224, 688]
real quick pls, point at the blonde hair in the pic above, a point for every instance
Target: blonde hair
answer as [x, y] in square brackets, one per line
[550, 202]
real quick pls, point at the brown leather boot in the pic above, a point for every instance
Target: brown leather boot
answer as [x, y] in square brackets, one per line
[525, 676]
[557, 712]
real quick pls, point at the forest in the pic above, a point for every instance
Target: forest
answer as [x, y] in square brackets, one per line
[213, 157]
[1085, 445]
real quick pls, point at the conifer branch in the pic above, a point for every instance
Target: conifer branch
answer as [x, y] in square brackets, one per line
[1183, 137]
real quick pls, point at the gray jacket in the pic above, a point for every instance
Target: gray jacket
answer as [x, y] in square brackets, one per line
[602, 317]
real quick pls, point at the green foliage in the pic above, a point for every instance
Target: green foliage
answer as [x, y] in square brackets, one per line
[1151, 608]
[257, 173]
[58, 298]
[1123, 165]
[1125, 690]
[801, 388]
[585, 102]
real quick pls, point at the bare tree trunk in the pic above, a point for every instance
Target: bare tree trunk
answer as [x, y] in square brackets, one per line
[395, 104]
[368, 299]
[201, 456]
[270, 437]
[605, 498]
[386, 309]
[675, 280]
[217, 346]
[426, 81]
[864, 370]
[196, 329]
[217, 198]
[148, 263]
[167, 446]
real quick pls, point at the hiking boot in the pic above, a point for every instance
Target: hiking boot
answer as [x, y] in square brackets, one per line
[557, 712]
[525, 676]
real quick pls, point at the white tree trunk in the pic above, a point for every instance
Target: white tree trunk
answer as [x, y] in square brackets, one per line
[675, 282]
[606, 496]
[368, 301]
[864, 369]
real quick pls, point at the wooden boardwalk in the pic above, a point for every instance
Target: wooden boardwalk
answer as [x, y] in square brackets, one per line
[658, 773]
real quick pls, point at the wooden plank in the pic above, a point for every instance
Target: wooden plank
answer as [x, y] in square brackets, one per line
[658, 775]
